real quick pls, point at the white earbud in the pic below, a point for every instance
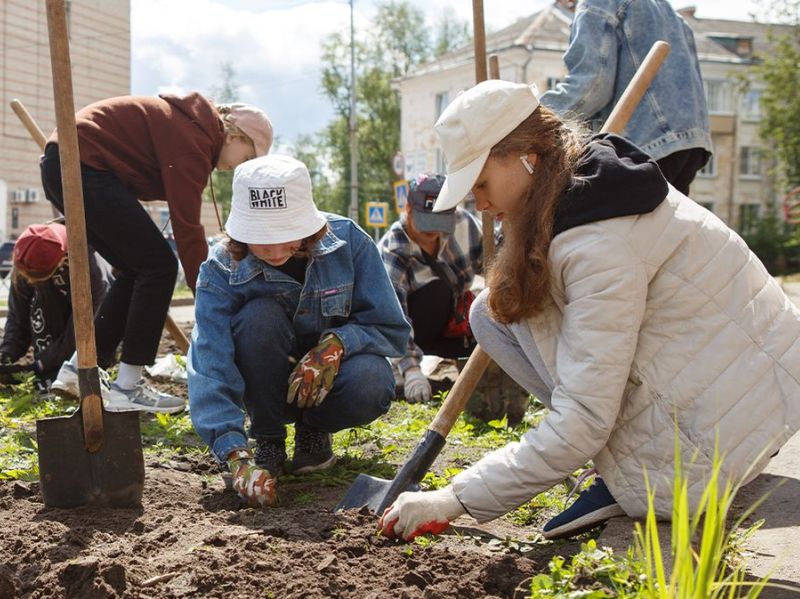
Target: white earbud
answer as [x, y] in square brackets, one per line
[527, 164]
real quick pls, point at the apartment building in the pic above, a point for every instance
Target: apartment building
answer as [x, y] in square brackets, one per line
[735, 184]
[100, 51]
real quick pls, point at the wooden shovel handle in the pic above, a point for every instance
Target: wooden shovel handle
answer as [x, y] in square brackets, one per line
[637, 87]
[36, 133]
[479, 360]
[457, 397]
[27, 120]
[177, 335]
[91, 404]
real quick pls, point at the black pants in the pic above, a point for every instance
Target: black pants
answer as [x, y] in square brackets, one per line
[681, 167]
[121, 231]
[430, 309]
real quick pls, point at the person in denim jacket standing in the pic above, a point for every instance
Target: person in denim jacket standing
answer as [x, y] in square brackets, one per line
[295, 320]
[608, 41]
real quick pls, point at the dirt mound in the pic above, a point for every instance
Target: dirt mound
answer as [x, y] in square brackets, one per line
[192, 539]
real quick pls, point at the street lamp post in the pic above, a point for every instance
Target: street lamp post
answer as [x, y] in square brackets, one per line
[353, 125]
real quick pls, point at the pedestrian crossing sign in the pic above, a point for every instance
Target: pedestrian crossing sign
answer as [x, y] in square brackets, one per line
[377, 214]
[400, 195]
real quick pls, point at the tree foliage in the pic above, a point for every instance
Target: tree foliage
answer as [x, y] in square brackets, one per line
[398, 41]
[780, 72]
[226, 93]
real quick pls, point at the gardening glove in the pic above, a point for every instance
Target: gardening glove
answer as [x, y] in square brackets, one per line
[312, 378]
[257, 486]
[416, 388]
[418, 513]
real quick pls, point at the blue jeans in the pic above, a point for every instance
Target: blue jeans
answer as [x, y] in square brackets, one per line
[264, 340]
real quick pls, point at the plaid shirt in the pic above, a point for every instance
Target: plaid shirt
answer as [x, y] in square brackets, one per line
[461, 253]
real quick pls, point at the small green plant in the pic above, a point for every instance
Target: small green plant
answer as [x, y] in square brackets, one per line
[305, 497]
[170, 431]
[425, 541]
[592, 573]
[700, 542]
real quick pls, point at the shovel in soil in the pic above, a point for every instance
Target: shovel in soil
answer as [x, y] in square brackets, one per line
[377, 494]
[92, 456]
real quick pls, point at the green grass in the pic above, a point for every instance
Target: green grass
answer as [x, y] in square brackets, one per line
[182, 291]
[701, 547]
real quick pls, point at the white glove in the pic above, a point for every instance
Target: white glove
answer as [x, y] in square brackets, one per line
[416, 388]
[419, 513]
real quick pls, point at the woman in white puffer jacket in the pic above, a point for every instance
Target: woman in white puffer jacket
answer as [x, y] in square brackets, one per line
[632, 312]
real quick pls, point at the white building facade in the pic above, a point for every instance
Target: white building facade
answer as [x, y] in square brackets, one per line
[735, 184]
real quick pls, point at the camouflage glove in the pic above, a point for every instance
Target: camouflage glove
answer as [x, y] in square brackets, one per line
[254, 485]
[312, 378]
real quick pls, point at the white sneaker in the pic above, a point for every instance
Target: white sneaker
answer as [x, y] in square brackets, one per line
[142, 398]
[66, 383]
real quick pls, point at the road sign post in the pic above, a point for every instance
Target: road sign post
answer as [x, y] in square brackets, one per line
[399, 164]
[377, 216]
[400, 195]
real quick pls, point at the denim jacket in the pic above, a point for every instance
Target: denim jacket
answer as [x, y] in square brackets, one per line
[346, 292]
[608, 41]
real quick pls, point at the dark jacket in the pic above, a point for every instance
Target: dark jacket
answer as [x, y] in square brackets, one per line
[41, 316]
[164, 148]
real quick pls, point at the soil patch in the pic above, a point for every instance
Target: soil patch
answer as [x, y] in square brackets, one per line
[192, 538]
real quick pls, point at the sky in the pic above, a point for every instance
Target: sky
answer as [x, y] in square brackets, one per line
[274, 46]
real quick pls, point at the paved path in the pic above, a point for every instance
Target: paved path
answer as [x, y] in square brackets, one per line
[775, 547]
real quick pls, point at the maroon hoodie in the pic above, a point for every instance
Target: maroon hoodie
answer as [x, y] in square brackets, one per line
[163, 148]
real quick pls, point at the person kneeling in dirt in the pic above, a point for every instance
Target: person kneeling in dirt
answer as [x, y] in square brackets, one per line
[432, 259]
[633, 313]
[39, 304]
[295, 320]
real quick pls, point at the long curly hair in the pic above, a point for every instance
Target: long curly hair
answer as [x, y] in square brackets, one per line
[519, 276]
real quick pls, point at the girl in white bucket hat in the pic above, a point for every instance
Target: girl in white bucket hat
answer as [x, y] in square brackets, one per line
[293, 313]
[630, 311]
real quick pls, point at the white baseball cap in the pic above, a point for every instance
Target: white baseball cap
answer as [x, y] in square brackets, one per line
[272, 202]
[470, 127]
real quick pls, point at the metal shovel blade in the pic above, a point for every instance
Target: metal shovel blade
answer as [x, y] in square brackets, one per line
[378, 494]
[71, 476]
[372, 492]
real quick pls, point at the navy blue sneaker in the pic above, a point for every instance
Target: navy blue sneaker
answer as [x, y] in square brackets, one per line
[592, 508]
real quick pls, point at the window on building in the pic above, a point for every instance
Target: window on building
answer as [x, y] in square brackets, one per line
[15, 218]
[751, 105]
[710, 169]
[748, 217]
[750, 162]
[707, 205]
[441, 104]
[719, 96]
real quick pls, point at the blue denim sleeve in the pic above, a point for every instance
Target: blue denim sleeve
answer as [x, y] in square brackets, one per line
[376, 324]
[215, 384]
[591, 60]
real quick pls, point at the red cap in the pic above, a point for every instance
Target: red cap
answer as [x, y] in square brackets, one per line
[40, 249]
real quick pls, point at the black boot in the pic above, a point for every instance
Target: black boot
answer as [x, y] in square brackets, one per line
[312, 451]
[270, 454]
